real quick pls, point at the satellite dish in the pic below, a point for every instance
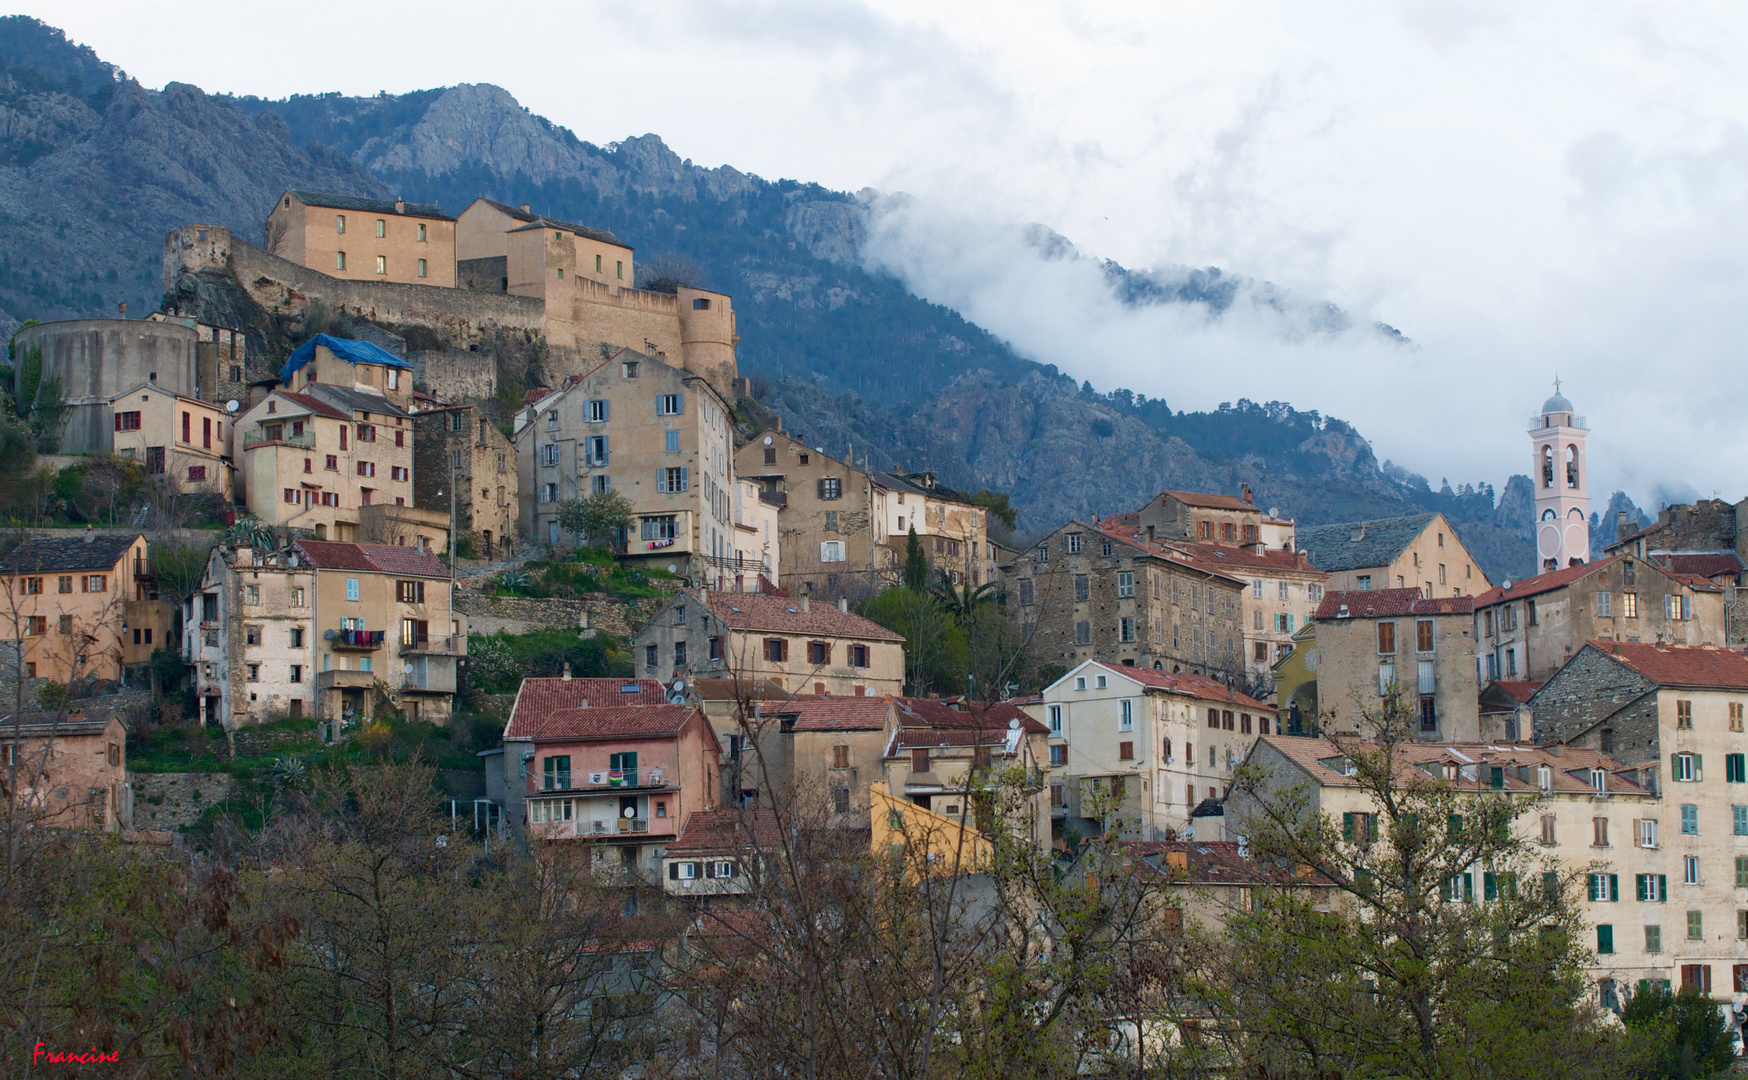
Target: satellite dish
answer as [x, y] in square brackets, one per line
[767, 440]
[1014, 724]
[673, 568]
[328, 634]
[231, 405]
[407, 667]
[679, 686]
[631, 811]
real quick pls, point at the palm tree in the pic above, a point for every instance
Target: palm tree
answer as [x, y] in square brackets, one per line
[961, 601]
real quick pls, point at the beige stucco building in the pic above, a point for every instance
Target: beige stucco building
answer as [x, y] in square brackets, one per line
[962, 774]
[67, 602]
[801, 646]
[654, 433]
[1134, 750]
[1531, 629]
[249, 637]
[333, 439]
[1419, 552]
[182, 438]
[1372, 643]
[362, 239]
[385, 630]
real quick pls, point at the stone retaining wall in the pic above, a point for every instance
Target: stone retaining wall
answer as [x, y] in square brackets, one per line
[521, 615]
[177, 800]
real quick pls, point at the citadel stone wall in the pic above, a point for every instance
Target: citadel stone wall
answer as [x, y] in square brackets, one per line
[96, 359]
[455, 374]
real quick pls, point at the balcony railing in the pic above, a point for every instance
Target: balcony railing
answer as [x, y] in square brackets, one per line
[731, 562]
[436, 646]
[253, 438]
[615, 826]
[355, 640]
[774, 498]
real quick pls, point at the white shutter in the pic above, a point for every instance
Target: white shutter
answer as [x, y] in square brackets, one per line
[1386, 676]
[1426, 676]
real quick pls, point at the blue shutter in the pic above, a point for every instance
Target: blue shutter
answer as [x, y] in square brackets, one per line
[606, 409]
[685, 478]
[661, 480]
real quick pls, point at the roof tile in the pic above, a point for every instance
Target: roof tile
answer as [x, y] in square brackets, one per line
[758, 611]
[40, 554]
[539, 697]
[613, 722]
[373, 558]
[1386, 603]
[1708, 667]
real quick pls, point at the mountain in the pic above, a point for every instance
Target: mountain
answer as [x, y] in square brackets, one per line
[94, 169]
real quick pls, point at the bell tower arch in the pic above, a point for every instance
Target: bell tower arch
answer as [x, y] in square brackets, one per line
[1561, 476]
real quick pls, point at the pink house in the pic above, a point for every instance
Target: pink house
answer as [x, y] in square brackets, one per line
[619, 777]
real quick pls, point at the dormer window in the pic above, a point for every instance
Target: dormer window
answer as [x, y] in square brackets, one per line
[1599, 781]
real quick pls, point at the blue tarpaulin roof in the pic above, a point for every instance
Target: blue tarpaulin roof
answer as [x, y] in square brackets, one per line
[357, 352]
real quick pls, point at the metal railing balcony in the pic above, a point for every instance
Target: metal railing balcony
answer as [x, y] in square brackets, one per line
[258, 436]
[453, 645]
[355, 640]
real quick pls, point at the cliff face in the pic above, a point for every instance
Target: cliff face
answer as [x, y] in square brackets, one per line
[94, 169]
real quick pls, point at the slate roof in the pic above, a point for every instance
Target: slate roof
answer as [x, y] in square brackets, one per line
[1198, 686]
[835, 714]
[351, 401]
[539, 697]
[1541, 583]
[1520, 689]
[373, 558]
[709, 831]
[47, 554]
[42, 725]
[314, 405]
[612, 722]
[365, 205]
[542, 221]
[1570, 767]
[1210, 502]
[757, 611]
[1389, 603]
[1332, 548]
[933, 713]
[1703, 667]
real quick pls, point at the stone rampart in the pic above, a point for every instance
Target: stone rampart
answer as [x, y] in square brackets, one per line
[454, 374]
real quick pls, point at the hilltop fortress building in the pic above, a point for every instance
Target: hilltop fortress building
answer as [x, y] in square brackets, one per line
[495, 267]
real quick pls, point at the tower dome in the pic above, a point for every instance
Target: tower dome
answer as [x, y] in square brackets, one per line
[1557, 403]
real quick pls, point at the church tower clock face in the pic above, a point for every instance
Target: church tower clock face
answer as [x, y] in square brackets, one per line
[1562, 502]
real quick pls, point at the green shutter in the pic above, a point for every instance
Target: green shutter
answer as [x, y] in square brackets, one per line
[1662, 888]
[1489, 886]
[1674, 761]
[1550, 882]
[1699, 766]
[1455, 824]
[1469, 888]
[1614, 886]
[1639, 884]
[1371, 826]
[1605, 939]
[1591, 892]
[1347, 827]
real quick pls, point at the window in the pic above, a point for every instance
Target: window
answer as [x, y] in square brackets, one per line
[669, 404]
[1082, 588]
[776, 650]
[548, 493]
[1690, 869]
[671, 441]
[1604, 938]
[819, 652]
[1386, 637]
[1358, 828]
[1646, 835]
[1386, 678]
[1695, 929]
[64, 584]
[254, 672]
[1125, 584]
[1126, 751]
[1733, 769]
[397, 472]
[127, 421]
[679, 654]
[339, 221]
[1604, 605]
[556, 773]
[1600, 831]
[831, 551]
[1126, 629]
[351, 588]
[1365, 581]
[410, 592]
[1548, 823]
[367, 468]
[597, 452]
[339, 260]
[1684, 715]
[1653, 939]
[1074, 543]
[1689, 819]
[673, 479]
[1630, 605]
[1054, 712]
[619, 268]
[1125, 715]
[381, 228]
[93, 583]
[33, 586]
[382, 264]
[1739, 820]
[1685, 767]
[830, 487]
[1027, 596]
[1083, 632]
[1058, 756]
[659, 528]
[421, 261]
[1652, 888]
[297, 601]
[1423, 635]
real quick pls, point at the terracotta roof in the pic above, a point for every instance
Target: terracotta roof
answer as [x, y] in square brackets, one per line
[47, 554]
[320, 408]
[613, 722]
[757, 611]
[1132, 536]
[41, 725]
[1385, 603]
[709, 831]
[835, 714]
[1541, 583]
[1214, 862]
[934, 713]
[1242, 558]
[932, 738]
[1519, 689]
[1696, 582]
[1700, 666]
[1198, 686]
[1570, 767]
[539, 697]
[1333, 547]
[1212, 502]
[373, 558]
[735, 689]
[1705, 564]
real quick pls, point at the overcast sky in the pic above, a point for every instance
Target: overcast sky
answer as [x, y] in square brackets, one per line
[1518, 188]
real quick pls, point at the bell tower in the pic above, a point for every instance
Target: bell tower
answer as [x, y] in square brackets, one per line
[1561, 478]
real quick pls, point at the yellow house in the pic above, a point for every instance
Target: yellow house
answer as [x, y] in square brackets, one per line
[1296, 683]
[65, 601]
[922, 841]
[360, 239]
[315, 456]
[181, 437]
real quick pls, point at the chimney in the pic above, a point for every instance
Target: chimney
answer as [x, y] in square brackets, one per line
[1622, 527]
[1359, 533]
[1557, 749]
[804, 605]
[843, 604]
[89, 535]
[525, 209]
[567, 673]
[400, 205]
[1244, 489]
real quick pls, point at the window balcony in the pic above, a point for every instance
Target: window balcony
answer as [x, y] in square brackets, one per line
[262, 435]
[455, 645]
[354, 640]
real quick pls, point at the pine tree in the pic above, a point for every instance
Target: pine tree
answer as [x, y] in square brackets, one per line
[916, 566]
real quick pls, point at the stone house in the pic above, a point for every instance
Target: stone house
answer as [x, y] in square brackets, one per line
[1198, 517]
[69, 771]
[250, 639]
[1374, 642]
[953, 772]
[953, 530]
[1418, 552]
[801, 646]
[458, 452]
[384, 626]
[361, 239]
[1580, 816]
[622, 778]
[315, 456]
[718, 853]
[1088, 593]
[1707, 539]
[182, 438]
[69, 601]
[1145, 746]
[656, 434]
[1531, 628]
[833, 751]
